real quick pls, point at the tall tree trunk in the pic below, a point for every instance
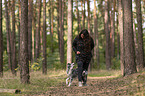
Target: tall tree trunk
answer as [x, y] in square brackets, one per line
[112, 33]
[8, 35]
[108, 56]
[30, 16]
[1, 42]
[84, 14]
[130, 65]
[78, 17]
[136, 45]
[38, 31]
[52, 25]
[140, 35]
[44, 39]
[14, 64]
[19, 30]
[61, 46]
[120, 21]
[96, 38]
[24, 64]
[33, 32]
[69, 41]
[88, 5]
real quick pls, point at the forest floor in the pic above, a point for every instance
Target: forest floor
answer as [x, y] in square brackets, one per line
[101, 83]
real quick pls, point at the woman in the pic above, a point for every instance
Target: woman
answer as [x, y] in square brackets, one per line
[82, 46]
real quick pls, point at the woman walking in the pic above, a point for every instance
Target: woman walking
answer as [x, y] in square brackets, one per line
[82, 46]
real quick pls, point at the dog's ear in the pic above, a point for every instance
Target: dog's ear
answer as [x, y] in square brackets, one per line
[68, 64]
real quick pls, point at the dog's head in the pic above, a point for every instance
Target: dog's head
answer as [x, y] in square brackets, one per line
[69, 68]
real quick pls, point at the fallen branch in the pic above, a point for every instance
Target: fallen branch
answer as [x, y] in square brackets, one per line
[16, 91]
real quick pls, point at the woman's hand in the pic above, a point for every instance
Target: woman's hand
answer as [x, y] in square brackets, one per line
[78, 52]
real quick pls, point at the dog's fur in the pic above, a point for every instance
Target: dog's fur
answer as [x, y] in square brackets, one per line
[73, 73]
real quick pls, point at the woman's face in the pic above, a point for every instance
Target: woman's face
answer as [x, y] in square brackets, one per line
[82, 36]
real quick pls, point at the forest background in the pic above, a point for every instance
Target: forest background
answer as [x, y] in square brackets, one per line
[52, 27]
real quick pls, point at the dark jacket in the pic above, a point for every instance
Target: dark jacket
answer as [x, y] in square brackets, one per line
[80, 45]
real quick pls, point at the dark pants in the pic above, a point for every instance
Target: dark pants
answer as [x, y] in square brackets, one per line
[83, 64]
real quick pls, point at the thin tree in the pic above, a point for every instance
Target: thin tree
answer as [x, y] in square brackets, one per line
[130, 65]
[61, 33]
[120, 23]
[30, 16]
[78, 17]
[69, 35]
[1, 41]
[38, 31]
[107, 52]
[8, 35]
[112, 31]
[44, 39]
[24, 64]
[13, 46]
[88, 7]
[96, 38]
[52, 24]
[140, 36]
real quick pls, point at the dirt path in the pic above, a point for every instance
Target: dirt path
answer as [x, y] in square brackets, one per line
[103, 86]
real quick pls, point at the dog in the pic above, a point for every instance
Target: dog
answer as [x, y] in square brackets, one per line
[73, 73]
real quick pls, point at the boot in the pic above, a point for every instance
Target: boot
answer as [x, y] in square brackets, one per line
[80, 84]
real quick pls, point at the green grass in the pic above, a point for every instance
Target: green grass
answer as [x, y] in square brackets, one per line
[102, 73]
[40, 83]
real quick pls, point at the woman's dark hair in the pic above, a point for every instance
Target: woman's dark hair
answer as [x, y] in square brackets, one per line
[86, 38]
[85, 33]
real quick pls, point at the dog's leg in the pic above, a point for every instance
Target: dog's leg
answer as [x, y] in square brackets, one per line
[71, 79]
[67, 81]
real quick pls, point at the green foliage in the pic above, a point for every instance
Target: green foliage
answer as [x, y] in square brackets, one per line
[5, 61]
[115, 63]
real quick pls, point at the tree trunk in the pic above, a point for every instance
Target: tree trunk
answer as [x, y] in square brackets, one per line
[140, 35]
[19, 16]
[61, 46]
[107, 53]
[8, 35]
[69, 35]
[88, 5]
[14, 64]
[1, 42]
[112, 33]
[38, 31]
[24, 64]
[120, 21]
[78, 17]
[96, 38]
[44, 39]
[130, 65]
[30, 16]
[52, 25]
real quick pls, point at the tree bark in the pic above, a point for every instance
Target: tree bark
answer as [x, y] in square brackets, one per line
[14, 64]
[140, 36]
[61, 33]
[78, 17]
[44, 39]
[24, 64]
[38, 31]
[107, 53]
[88, 5]
[69, 35]
[130, 65]
[8, 35]
[1, 42]
[96, 38]
[120, 21]
[30, 16]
